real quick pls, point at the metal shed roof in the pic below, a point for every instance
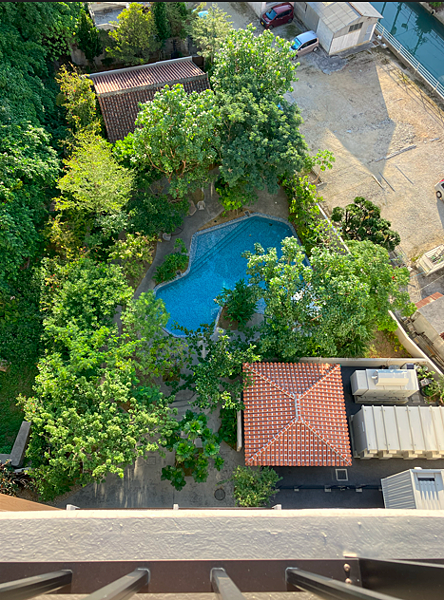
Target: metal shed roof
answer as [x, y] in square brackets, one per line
[337, 15]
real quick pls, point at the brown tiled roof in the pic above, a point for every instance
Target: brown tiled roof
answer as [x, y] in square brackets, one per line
[428, 300]
[120, 92]
[295, 416]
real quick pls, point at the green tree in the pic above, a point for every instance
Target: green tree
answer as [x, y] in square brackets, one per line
[135, 38]
[152, 214]
[159, 11]
[88, 36]
[95, 408]
[362, 221]
[190, 459]
[331, 308]
[261, 143]
[177, 14]
[240, 302]
[79, 99]
[213, 367]
[28, 169]
[94, 182]
[176, 137]
[260, 65]
[211, 32]
[254, 487]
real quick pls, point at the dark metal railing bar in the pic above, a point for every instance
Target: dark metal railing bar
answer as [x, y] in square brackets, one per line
[30, 587]
[330, 589]
[407, 579]
[224, 587]
[123, 588]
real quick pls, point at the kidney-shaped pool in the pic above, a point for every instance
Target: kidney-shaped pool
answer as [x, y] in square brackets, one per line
[216, 262]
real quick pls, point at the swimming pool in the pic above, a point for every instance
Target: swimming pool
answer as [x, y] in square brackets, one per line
[216, 262]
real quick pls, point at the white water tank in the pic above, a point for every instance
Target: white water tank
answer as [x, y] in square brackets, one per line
[417, 488]
[384, 385]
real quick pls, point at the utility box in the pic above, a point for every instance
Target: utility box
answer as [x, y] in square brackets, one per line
[384, 386]
[422, 489]
[406, 432]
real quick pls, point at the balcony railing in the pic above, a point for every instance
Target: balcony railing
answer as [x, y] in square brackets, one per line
[338, 579]
[411, 60]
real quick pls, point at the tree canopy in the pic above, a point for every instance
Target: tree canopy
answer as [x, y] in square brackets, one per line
[94, 182]
[260, 139]
[362, 221]
[330, 308]
[136, 36]
[211, 32]
[176, 137]
[95, 407]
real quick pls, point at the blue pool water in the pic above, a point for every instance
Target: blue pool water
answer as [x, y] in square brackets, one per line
[216, 262]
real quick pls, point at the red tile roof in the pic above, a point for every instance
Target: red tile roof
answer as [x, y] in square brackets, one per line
[295, 416]
[121, 91]
[428, 300]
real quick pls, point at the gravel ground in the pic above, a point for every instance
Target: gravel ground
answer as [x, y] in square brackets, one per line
[363, 113]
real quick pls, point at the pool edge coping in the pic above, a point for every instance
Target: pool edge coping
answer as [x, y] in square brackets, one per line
[192, 251]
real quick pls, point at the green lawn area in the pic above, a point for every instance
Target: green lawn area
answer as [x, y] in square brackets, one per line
[18, 380]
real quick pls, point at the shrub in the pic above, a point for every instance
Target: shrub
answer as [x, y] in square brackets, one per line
[228, 428]
[240, 303]
[11, 482]
[177, 261]
[254, 487]
[362, 221]
[133, 252]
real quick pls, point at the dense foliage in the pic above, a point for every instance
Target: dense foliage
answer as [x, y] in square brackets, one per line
[174, 262]
[12, 483]
[95, 408]
[78, 98]
[191, 459]
[135, 37]
[362, 221]
[213, 368]
[254, 487]
[210, 32]
[240, 302]
[260, 139]
[330, 308]
[87, 36]
[176, 137]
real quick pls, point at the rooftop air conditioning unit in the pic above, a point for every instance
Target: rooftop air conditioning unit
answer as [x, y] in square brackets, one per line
[384, 386]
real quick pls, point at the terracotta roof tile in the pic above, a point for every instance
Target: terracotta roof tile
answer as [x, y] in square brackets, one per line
[428, 300]
[295, 415]
[120, 92]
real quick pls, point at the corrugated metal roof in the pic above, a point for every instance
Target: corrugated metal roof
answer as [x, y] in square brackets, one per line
[145, 76]
[337, 15]
[295, 415]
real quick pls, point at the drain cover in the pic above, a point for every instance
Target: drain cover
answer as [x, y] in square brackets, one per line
[219, 494]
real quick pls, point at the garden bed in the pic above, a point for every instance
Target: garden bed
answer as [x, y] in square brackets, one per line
[387, 345]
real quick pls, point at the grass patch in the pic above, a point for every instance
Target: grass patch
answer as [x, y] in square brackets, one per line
[18, 380]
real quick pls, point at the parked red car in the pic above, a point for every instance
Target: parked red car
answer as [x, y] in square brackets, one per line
[278, 15]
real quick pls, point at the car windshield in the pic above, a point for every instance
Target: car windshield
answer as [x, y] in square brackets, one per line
[271, 15]
[296, 43]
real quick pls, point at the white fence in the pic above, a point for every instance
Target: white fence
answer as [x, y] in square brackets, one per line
[428, 78]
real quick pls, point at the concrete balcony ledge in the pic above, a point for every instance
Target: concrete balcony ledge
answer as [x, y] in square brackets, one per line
[219, 534]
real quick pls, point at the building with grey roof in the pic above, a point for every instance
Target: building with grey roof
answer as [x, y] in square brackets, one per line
[339, 25]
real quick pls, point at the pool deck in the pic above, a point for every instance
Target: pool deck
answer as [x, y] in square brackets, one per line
[273, 205]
